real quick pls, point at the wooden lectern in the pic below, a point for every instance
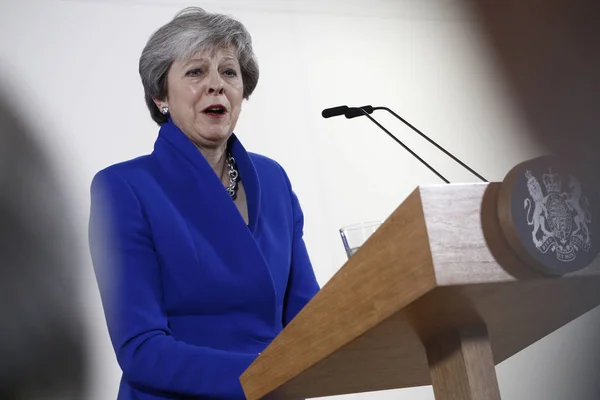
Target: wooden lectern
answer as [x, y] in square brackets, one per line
[438, 295]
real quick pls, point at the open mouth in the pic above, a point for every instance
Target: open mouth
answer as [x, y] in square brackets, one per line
[215, 110]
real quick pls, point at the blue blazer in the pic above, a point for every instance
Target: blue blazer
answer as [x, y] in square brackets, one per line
[192, 294]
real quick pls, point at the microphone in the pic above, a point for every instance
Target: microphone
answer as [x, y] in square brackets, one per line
[354, 112]
[334, 111]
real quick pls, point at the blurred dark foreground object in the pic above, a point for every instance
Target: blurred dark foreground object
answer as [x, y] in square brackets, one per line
[549, 51]
[41, 332]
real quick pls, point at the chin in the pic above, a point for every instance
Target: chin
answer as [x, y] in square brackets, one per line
[215, 137]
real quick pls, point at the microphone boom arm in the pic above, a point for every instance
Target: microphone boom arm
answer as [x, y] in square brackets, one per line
[405, 146]
[424, 136]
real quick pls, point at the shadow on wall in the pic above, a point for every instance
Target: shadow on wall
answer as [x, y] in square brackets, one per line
[42, 346]
[549, 52]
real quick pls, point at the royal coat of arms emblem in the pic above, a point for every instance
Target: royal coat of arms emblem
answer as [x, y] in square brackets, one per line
[559, 218]
[549, 216]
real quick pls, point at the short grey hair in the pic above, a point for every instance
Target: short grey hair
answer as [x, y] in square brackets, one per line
[191, 31]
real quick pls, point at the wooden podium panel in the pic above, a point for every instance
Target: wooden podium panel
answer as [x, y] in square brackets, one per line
[438, 264]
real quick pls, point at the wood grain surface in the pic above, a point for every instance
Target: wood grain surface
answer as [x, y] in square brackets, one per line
[438, 263]
[462, 366]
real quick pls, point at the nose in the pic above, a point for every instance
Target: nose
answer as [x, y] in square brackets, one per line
[215, 83]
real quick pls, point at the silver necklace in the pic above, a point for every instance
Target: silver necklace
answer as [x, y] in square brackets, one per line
[233, 176]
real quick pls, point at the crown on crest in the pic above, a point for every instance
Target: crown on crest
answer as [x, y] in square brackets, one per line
[528, 174]
[552, 181]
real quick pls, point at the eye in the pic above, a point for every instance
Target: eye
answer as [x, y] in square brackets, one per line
[230, 72]
[194, 72]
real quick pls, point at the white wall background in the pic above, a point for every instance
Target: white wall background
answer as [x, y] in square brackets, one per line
[72, 68]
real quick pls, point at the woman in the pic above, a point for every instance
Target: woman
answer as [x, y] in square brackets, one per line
[201, 261]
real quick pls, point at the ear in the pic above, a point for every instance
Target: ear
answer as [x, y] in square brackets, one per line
[160, 103]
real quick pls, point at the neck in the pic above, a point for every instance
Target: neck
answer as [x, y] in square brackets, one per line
[215, 157]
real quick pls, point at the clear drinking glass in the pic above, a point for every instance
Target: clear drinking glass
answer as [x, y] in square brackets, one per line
[353, 236]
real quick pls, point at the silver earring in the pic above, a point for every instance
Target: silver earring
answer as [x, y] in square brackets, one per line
[164, 110]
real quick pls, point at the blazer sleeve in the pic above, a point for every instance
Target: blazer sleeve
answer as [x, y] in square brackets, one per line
[127, 270]
[302, 283]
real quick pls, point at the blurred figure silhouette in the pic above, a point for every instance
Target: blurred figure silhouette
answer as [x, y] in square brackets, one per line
[41, 334]
[549, 52]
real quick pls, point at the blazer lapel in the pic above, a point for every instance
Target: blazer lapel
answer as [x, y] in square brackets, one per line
[201, 197]
[250, 180]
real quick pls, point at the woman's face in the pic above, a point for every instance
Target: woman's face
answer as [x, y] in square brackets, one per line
[204, 96]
